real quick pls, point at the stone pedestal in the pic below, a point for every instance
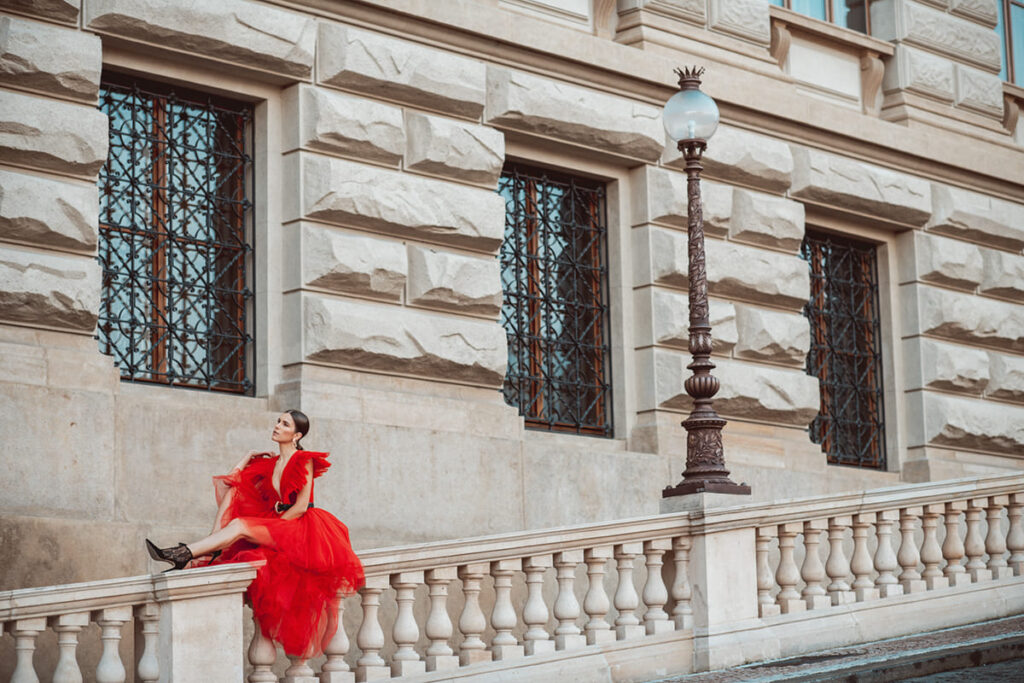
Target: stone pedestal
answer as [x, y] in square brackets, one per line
[570, 642]
[468, 657]
[600, 637]
[337, 677]
[700, 501]
[502, 653]
[539, 647]
[407, 667]
[442, 662]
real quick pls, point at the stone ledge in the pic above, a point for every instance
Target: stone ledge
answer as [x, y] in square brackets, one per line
[740, 156]
[397, 340]
[352, 264]
[28, 59]
[461, 151]
[976, 217]
[962, 317]
[250, 34]
[52, 135]
[972, 424]
[49, 290]
[48, 212]
[929, 258]
[464, 284]
[65, 11]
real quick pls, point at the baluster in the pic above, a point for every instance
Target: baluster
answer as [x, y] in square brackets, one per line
[813, 571]
[931, 552]
[67, 627]
[503, 618]
[655, 593]
[766, 606]
[535, 613]
[472, 622]
[787, 574]
[595, 602]
[147, 629]
[370, 637]
[861, 564]
[995, 541]
[439, 625]
[627, 625]
[885, 559]
[953, 546]
[262, 655]
[336, 669]
[974, 543]
[110, 668]
[299, 671]
[682, 612]
[406, 661]
[567, 607]
[1015, 538]
[908, 556]
[837, 566]
[25, 632]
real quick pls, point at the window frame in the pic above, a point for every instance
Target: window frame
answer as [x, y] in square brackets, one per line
[830, 14]
[1006, 19]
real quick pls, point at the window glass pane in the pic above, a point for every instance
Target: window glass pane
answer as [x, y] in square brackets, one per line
[778, 3]
[1017, 42]
[812, 8]
[851, 14]
[1001, 31]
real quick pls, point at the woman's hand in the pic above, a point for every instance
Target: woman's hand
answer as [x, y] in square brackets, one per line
[244, 462]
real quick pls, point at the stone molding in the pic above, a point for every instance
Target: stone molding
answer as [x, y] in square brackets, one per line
[48, 213]
[747, 19]
[252, 35]
[939, 260]
[976, 217]
[49, 290]
[63, 11]
[981, 11]
[692, 11]
[920, 71]
[28, 59]
[352, 264]
[464, 284]
[979, 90]
[52, 135]
[461, 151]
[962, 317]
[740, 156]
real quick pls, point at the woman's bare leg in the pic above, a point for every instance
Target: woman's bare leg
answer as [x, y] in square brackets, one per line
[233, 531]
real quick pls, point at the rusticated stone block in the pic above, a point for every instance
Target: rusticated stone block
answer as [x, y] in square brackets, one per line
[859, 186]
[772, 336]
[1003, 274]
[981, 11]
[733, 270]
[939, 260]
[914, 23]
[977, 217]
[962, 317]
[28, 59]
[48, 212]
[52, 135]
[337, 123]
[980, 91]
[400, 70]
[568, 112]
[251, 34]
[744, 18]
[64, 11]
[462, 151]
[462, 283]
[360, 196]
[664, 318]
[763, 219]
[920, 71]
[49, 289]
[352, 264]
[1007, 377]
[659, 196]
[936, 365]
[970, 423]
[739, 156]
[399, 340]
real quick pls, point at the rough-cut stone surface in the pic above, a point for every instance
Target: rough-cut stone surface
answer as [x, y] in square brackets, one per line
[772, 336]
[920, 71]
[962, 317]
[979, 91]
[247, 33]
[749, 390]
[739, 156]
[400, 70]
[1007, 377]
[859, 186]
[65, 11]
[734, 270]
[462, 283]
[763, 219]
[49, 289]
[462, 151]
[52, 135]
[1003, 274]
[745, 18]
[936, 365]
[352, 264]
[973, 424]
[694, 11]
[48, 212]
[356, 195]
[981, 11]
[398, 340]
[568, 112]
[28, 58]
[659, 196]
[977, 217]
[670, 320]
[939, 260]
[337, 123]
[932, 29]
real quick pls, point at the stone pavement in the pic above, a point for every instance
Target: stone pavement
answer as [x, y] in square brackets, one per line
[990, 651]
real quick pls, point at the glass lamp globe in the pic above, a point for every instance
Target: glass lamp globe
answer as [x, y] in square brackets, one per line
[690, 115]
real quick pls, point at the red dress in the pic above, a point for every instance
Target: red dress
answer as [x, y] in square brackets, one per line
[294, 596]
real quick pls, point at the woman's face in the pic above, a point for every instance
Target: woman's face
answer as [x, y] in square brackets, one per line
[284, 430]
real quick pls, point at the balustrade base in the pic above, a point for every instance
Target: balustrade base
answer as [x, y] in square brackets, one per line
[843, 597]
[959, 579]
[769, 610]
[936, 582]
[600, 637]
[791, 605]
[913, 586]
[630, 632]
[337, 677]
[442, 662]
[539, 647]
[1018, 568]
[653, 628]
[890, 590]
[1001, 572]
[683, 622]
[502, 653]
[467, 657]
[408, 667]
[866, 594]
[818, 601]
[301, 678]
[980, 575]
[573, 642]
[372, 673]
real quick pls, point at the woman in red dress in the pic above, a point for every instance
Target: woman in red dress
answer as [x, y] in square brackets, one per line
[266, 513]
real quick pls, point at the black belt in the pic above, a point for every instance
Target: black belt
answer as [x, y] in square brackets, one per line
[280, 507]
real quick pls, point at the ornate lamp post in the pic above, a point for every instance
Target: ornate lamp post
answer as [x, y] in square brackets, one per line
[690, 118]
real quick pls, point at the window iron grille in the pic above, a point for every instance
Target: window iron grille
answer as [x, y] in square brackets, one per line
[175, 236]
[845, 352]
[555, 311]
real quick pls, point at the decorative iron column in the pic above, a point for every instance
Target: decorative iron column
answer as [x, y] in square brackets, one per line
[691, 117]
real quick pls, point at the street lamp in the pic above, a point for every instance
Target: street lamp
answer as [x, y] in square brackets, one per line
[690, 118]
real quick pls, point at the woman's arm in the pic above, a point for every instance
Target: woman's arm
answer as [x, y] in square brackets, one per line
[302, 500]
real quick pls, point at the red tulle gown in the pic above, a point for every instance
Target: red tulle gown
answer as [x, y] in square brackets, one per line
[294, 596]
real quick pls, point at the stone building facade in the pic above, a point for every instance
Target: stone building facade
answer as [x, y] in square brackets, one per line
[379, 134]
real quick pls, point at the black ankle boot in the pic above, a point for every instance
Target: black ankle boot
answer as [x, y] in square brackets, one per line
[178, 556]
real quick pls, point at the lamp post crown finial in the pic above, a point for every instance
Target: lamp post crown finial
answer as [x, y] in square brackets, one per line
[689, 77]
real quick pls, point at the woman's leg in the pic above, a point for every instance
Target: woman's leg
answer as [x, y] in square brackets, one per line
[234, 530]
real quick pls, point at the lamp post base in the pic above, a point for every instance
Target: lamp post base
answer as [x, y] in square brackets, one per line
[684, 488]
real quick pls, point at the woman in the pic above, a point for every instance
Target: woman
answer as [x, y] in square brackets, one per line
[266, 513]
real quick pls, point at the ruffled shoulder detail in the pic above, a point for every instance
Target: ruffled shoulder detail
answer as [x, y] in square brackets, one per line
[294, 476]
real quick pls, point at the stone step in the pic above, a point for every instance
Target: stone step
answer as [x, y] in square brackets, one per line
[896, 659]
